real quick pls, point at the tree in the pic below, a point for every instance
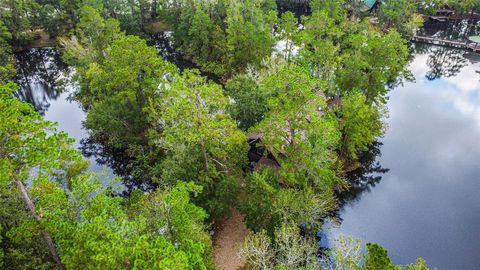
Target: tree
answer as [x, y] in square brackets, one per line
[321, 53]
[181, 222]
[94, 229]
[118, 91]
[288, 31]
[200, 139]
[224, 37]
[291, 250]
[119, 75]
[295, 131]
[465, 6]
[206, 43]
[360, 124]
[288, 250]
[89, 44]
[248, 34]
[350, 55]
[82, 223]
[372, 61]
[303, 139]
[28, 149]
[249, 102]
[377, 258]
[347, 254]
[7, 69]
[17, 16]
[267, 205]
[402, 15]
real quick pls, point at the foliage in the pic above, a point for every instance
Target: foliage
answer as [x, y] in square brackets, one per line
[349, 55]
[372, 66]
[90, 226]
[119, 75]
[303, 139]
[401, 14]
[204, 41]
[7, 69]
[248, 34]
[201, 141]
[93, 229]
[262, 189]
[26, 19]
[89, 44]
[30, 149]
[288, 31]
[183, 134]
[249, 102]
[360, 124]
[347, 254]
[295, 131]
[224, 37]
[133, 72]
[464, 6]
[17, 16]
[289, 250]
[267, 205]
[377, 258]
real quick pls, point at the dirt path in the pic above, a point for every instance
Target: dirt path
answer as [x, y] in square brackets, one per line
[228, 242]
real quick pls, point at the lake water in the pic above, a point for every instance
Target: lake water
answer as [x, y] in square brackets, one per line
[418, 196]
[427, 204]
[43, 79]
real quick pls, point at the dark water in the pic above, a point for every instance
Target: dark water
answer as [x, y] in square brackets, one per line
[45, 83]
[418, 192]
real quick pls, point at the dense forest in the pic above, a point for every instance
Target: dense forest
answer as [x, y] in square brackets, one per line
[277, 110]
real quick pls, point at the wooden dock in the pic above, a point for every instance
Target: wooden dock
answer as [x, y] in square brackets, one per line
[446, 42]
[439, 18]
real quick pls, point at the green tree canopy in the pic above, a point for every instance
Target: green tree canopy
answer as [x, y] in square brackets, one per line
[53, 211]
[200, 139]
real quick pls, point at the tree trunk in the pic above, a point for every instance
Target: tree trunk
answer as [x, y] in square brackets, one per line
[154, 10]
[46, 236]
[205, 155]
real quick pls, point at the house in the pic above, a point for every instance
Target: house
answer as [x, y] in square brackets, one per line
[370, 4]
[257, 155]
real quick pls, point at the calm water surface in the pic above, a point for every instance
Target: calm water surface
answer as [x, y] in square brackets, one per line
[44, 82]
[422, 198]
[427, 204]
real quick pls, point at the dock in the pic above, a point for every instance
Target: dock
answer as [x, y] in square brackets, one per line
[439, 18]
[446, 42]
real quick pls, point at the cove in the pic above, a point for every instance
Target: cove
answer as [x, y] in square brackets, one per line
[44, 83]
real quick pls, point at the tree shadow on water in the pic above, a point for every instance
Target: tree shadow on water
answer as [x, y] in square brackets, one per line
[40, 75]
[365, 177]
[443, 62]
[119, 161]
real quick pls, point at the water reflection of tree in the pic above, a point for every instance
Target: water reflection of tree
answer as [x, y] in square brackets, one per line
[119, 161]
[39, 72]
[298, 7]
[442, 61]
[164, 43]
[452, 30]
[166, 48]
[364, 178]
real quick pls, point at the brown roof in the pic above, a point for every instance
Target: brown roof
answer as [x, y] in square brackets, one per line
[267, 162]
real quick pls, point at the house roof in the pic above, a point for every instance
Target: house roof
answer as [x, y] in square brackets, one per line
[475, 39]
[370, 3]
